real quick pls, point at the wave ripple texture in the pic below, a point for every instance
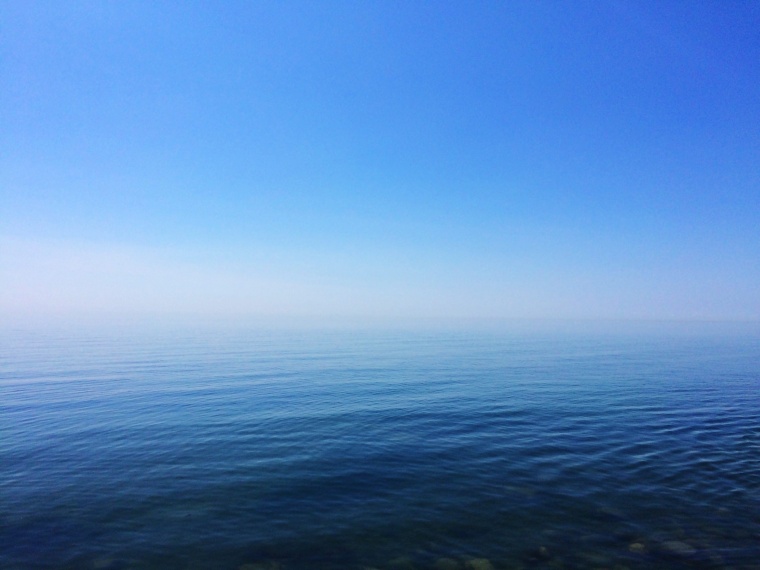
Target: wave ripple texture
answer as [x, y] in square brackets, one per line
[267, 450]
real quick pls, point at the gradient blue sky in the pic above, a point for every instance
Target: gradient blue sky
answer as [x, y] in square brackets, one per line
[381, 159]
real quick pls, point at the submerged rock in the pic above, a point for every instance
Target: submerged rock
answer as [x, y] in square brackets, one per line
[637, 547]
[446, 564]
[478, 564]
[540, 554]
[678, 547]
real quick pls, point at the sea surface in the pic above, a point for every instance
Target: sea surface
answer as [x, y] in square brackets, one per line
[265, 449]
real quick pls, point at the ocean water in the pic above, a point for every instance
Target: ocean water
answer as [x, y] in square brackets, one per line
[348, 448]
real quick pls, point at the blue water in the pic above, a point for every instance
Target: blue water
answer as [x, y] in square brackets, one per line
[347, 448]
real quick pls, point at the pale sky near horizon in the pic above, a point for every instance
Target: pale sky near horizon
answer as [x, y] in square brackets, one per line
[380, 159]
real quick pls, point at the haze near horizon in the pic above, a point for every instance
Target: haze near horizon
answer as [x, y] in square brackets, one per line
[380, 160]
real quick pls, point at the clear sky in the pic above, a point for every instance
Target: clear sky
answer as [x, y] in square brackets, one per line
[575, 159]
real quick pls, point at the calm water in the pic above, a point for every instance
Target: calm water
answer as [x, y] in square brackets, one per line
[389, 450]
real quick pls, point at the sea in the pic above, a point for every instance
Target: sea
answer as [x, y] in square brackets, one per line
[456, 447]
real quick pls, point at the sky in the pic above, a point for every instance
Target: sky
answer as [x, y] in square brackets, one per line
[389, 159]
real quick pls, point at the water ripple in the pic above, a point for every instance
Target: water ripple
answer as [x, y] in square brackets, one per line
[369, 449]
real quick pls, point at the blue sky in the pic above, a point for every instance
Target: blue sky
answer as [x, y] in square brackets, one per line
[381, 159]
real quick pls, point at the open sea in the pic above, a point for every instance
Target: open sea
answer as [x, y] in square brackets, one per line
[271, 449]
